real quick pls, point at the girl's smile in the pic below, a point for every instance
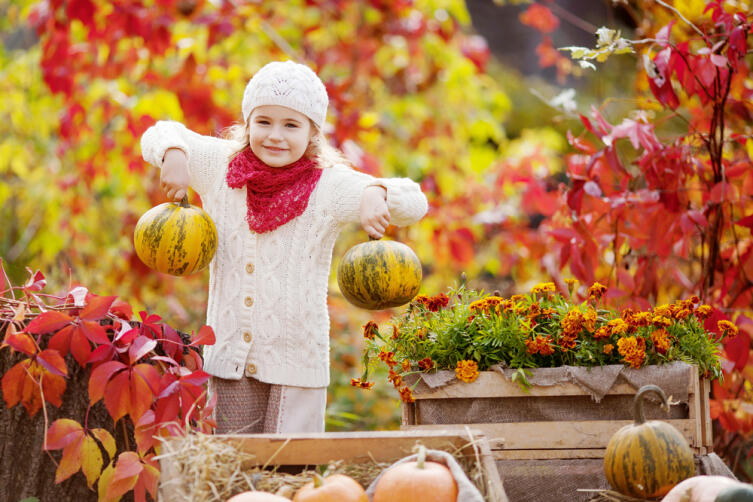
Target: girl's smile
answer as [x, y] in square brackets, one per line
[279, 135]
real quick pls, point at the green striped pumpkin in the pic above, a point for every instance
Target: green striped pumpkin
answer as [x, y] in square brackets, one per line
[378, 274]
[175, 238]
[646, 459]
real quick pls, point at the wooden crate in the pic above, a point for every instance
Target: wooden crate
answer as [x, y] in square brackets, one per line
[351, 447]
[558, 439]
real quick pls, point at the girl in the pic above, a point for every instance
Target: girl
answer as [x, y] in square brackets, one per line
[279, 196]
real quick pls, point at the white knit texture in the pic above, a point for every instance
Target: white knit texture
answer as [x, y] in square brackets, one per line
[289, 84]
[288, 317]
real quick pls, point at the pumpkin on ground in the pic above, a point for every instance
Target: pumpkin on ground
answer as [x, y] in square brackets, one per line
[705, 489]
[419, 480]
[338, 487]
[378, 275]
[175, 238]
[257, 497]
[646, 459]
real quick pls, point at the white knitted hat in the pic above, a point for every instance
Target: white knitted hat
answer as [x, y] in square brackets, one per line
[288, 84]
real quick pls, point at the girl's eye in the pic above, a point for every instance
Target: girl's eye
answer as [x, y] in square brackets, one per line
[292, 125]
[262, 122]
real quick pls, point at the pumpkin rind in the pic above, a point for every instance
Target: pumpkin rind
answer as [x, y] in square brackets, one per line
[417, 480]
[257, 497]
[175, 239]
[378, 275]
[337, 487]
[647, 459]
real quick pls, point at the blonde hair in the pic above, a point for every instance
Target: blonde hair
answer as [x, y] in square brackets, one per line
[319, 148]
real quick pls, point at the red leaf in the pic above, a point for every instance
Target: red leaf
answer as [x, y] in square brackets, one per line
[149, 477]
[61, 340]
[97, 308]
[94, 332]
[540, 18]
[70, 462]
[63, 432]
[102, 353]
[125, 475]
[36, 282]
[53, 387]
[205, 336]
[121, 309]
[746, 222]
[22, 342]
[738, 349]
[51, 360]
[461, 245]
[99, 378]
[144, 384]
[48, 322]
[175, 349]
[80, 347]
[724, 191]
[140, 347]
[118, 396]
[13, 382]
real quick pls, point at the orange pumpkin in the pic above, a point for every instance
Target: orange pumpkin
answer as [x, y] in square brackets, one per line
[419, 480]
[337, 487]
[257, 497]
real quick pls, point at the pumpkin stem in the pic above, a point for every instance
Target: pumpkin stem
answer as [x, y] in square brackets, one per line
[638, 414]
[420, 461]
[318, 480]
[184, 202]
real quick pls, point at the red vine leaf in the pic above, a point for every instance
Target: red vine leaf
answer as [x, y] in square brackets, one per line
[205, 336]
[48, 322]
[96, 308]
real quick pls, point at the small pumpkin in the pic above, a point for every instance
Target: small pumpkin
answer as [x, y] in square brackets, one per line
[420, 480]
[702, 489]
[257, 497]
[175, 238]
[646, 459]
[338, 487]
[378, 274]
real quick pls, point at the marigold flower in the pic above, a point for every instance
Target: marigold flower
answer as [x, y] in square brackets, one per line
[571, 284]
[405, 365]
[589, 319]
[694, 299]
[467, 371]
[702, 312]
[603, 332]
[396, 379]
[406, 395]
[370, 330]
[660, 339]
[479, 306]
[618, 326]
[544, 287]
[626, 314]
[640, 319]
[567, 341]
[608, 348]
[596, 291]
[387, 358]
[683, 313]
[395, 332]
[540, 345]
[357, 382]
[633, 350]
[437, 302]
[517, 298]
[661, 321]
[426, 364]
[663, 311]
[727, 328]
[572, 322]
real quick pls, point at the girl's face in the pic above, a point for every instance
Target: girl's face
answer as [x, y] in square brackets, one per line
[278, 135]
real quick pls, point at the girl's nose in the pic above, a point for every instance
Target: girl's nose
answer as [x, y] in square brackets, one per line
[275, 134]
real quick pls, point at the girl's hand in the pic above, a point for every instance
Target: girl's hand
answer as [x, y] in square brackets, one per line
[375, 216]
[174, 174]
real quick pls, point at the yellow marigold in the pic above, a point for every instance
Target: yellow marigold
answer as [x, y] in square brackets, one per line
[640, 319]
[507, 305]
[683, 313]
[608, 348]
[633, 350]
[517, 298]
[618, 326]
[357, 382]
[571, 284]
[567, 341]
[596, 291]
[478, 306]
[572, 322]
[467, 371]
[406, 395]
[663, 311]
[396, 379]
[387, 357]
[694, 299]
[405, 365]
[370, 330]
[544, 287]
[660, 339]
[727, 329]
[660, 320]
[603, 332]
[703, 311]
[589, 320]
[626, 314]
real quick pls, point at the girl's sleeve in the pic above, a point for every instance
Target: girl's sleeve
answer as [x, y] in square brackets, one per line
[405, 201]
[205, 153]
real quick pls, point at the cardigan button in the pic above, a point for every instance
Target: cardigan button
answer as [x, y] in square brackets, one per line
[249, 301]
[247, 336]
[249, 268]
[250, 369]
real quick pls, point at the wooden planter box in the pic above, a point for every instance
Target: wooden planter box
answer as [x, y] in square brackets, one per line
[351, 447]
[584, 436]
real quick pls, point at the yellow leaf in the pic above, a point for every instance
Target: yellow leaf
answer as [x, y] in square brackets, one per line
[91, 460]
[106, 439]
[70, 463]
[104, 482]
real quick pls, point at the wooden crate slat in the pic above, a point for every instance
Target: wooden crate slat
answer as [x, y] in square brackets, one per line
[705, 417]
[548, 454]
[494, 384]
[558, 435]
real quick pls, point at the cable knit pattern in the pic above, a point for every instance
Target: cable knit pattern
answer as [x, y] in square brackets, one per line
[273, 286]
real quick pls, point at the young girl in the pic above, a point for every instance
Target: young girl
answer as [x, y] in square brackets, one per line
[279, 196]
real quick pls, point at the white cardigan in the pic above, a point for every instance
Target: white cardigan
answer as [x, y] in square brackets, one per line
[268, 292]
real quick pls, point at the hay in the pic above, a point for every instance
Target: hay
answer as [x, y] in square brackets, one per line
[208, 470]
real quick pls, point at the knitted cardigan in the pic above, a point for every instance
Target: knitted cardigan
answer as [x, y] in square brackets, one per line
[267, 298]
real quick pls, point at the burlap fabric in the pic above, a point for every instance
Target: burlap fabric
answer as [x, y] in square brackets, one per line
[596, 405]
[245, 406]
[560, 480]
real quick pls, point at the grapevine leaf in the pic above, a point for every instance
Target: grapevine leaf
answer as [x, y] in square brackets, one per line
[99, 378]
[48, 322]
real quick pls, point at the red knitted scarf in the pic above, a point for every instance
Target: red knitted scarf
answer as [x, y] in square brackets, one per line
[274, 195]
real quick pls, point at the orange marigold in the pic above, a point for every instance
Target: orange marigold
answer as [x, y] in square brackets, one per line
[387, 357]
[540, 345]
[603, 332]
[467, 371]
[663, 311]
[357, 382]
[544, 287]
[396, 379]
[660, 339]
[618, 326]
[703, 311]
[661, 321]
[370, 330]
[572, 322]
[683, 313]
[727, 328]
[640, 319]
[395, 332]
[571, 284]
[633, 350]
[567, 341]
[608, 348]
[406, 395]
[596, 291]
[437, 302]
[479, 306]
[589, 320]
[426, 364]
[405, 365]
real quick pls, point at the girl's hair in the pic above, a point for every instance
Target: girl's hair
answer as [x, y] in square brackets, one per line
[319, 148]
